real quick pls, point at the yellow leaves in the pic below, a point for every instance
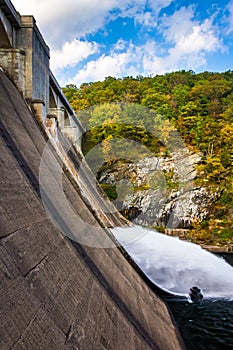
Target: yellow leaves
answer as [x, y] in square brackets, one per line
[154, 99]
[79, 104]
[227, 133]
[210, 89]
[107, 148]
[166, 129]
[214, 167]
[106, 113]
[130, 97]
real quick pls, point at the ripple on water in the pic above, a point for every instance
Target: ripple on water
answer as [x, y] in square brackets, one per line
[208, 326]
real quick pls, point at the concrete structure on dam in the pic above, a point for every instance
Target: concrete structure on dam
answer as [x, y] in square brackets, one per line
[57, 292]
[24, 55]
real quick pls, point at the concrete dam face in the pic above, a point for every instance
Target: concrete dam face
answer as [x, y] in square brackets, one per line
[60, 291]
[55, 295]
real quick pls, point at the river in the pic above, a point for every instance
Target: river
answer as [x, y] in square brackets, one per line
[175, 266]
[208, 326]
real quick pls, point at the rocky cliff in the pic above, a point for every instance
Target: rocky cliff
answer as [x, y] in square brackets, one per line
[159, 191]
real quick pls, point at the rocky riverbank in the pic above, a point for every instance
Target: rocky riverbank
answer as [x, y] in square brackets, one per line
[184, 233]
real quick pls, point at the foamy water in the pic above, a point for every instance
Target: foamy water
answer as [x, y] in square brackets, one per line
[175, 265]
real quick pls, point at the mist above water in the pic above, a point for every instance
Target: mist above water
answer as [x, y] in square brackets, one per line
[175, 265]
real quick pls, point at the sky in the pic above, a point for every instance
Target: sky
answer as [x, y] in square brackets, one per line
[93, 39]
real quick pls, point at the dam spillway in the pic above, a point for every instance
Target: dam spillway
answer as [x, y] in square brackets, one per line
[176, 265]
[55, 294]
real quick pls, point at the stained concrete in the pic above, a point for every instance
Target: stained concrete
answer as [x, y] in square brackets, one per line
[55, 294]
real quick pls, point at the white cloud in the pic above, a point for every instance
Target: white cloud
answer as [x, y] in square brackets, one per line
[159, 4]
[202, 37]
[230, 17]
[190, 42]
[115, 64]
[120, 45]
[128, 8]
[72, 53]
[179, 24]
[185, 44]
[150, 18]
[147, 19]
[63, 21]
[189, 35]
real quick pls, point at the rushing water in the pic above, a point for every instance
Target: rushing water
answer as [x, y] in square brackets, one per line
[175, 266]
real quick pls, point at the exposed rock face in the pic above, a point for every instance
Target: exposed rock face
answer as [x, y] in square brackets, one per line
[178, 210]
[160, 191]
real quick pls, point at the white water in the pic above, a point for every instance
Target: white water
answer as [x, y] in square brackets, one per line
[175, 265]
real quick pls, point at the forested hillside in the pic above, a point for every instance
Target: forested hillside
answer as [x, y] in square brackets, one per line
[198, 106]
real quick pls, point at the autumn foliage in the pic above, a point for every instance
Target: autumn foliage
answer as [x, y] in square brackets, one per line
[198, 106]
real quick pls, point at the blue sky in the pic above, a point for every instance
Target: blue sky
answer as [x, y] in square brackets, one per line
[92, 39]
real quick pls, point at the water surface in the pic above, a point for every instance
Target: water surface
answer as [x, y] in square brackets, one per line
[175, 266]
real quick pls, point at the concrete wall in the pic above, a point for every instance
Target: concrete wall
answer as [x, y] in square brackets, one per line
[24, 55]
[55, 295]
[13, 62]
[60, 107]
[12, 59]
[36, 65]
